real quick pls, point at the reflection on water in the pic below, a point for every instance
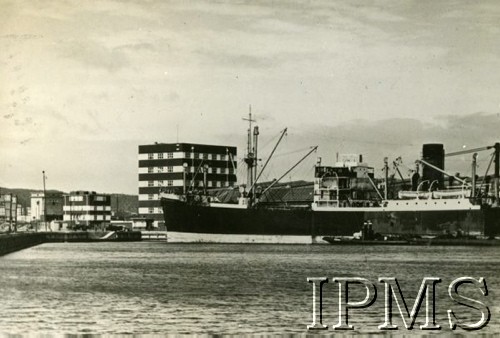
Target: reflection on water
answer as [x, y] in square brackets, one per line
[220, 288]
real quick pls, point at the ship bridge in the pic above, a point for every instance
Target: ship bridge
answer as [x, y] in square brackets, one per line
[348, 183]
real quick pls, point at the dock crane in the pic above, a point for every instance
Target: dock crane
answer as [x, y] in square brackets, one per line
[495, 158]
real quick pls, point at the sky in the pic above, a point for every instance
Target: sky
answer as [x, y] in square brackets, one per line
[83, 83]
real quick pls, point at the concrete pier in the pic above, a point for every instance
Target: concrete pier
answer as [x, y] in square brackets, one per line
[19, 241]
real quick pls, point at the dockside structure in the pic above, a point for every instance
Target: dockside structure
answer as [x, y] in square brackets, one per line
[50, 202]
[181, 167]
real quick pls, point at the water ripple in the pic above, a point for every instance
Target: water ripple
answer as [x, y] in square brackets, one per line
[158, 288]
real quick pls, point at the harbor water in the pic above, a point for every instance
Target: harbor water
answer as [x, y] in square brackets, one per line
[159, 288]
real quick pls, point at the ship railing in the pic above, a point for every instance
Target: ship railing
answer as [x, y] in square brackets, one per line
[364, 203]
[348, 204]
[287, 207]
[327, 203]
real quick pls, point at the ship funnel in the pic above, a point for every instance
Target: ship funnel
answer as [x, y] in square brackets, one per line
[433, 153]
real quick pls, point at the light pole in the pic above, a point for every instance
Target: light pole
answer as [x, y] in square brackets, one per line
[37, 215]
[192, 167]
[192, 157]
[338, 188]
[227, 167]
[44, 202]
[184, 168]
[205, 170]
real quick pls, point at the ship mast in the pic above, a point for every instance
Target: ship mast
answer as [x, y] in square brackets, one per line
[256, 159]
[250, 156]
[496, 176]
[283, 133]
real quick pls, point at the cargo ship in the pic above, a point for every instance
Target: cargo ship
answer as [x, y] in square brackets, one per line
[346, 200]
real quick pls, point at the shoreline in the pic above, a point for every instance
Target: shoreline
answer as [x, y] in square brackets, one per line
[12, 242]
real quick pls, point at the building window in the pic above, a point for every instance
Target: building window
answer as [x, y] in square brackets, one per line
[75, 199]
[218, 185]
[170, 183]
[218, 170]
[151, 196]
[226, 184]
[170, 155]
[150, 170]
[209, 183]
[160, 156]
[205, 156]
[223, 170]
[160, 183]
[151, 210]
[188, 155]
[170, 169]
[196, 155]
[159, 169]
[222, 157]
[151, 156]
[151, 183]
[214, 183]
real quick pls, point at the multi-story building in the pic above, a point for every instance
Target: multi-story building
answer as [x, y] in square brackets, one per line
[53, 205]
[8, 206]
[181, 167]
[87, 209]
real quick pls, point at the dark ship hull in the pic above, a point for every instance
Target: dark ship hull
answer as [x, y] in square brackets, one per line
[204, 219]
[416, 222]
[345, 201]
[183, 217]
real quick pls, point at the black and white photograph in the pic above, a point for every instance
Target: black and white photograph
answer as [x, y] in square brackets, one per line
[249, 168]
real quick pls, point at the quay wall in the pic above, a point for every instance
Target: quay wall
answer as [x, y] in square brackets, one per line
[19, 241]
[90, 236]
[15, 242]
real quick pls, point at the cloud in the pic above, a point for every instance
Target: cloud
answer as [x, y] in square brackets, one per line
[136, 46]
[375, 140]
[234, 60]
[377, 78]
[93, 54]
